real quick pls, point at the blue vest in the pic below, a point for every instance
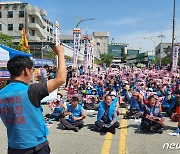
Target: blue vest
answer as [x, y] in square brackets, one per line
[24, 122]
[75, 112]
[88, 91]
[171, 104]
[101, 110]
[100, 91]
[135, 104]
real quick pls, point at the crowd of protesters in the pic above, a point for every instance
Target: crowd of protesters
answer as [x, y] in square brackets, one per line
[145, 92]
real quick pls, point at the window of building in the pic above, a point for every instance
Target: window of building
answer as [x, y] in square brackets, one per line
[20, 26]
[15, 6]
[47, 28]
[10, 26]
[0, 14]
[33, 20]
[47, 38]
[51, 31]
[10, 14]
[21, 14]
[0, 27]
[6, 6]
[23, 5]
[33, 32]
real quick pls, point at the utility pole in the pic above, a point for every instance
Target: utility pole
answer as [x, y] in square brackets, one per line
[173, 31]
[161, 36]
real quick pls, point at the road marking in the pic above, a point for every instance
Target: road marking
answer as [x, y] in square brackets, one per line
[123, 135]
[107, 143]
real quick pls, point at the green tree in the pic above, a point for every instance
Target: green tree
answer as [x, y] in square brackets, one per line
[166, 61]
[6, 40]
[156, 61]
[123, 59]
[106, 58]
[51, 55]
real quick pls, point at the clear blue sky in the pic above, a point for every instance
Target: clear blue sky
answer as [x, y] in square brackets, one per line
[128, 21]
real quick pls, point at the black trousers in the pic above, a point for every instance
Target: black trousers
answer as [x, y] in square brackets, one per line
[67, 81]
[72, 125]
[100, 124]
[147, 124]
[44, 150]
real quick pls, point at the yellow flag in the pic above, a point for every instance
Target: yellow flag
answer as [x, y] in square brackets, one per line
[24, 42]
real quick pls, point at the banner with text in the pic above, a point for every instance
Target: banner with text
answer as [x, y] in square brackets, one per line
[175, 57]
[76, 47]
[86, 54]
[57, 33]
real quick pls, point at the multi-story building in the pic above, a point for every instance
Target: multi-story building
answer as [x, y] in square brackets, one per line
[132, 51]
[163, 49]
[39, 30]
[15, 15]
[99, 40]
[117, 49]
[144, 58]
[120, 51]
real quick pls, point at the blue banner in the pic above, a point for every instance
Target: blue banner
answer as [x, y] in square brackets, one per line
[42, 62]
[4, 74]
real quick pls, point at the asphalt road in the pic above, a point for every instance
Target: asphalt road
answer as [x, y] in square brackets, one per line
[90, 142]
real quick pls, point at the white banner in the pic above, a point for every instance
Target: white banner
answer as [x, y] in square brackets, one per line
[57, 33]
[77, 38]
[175, 57]
[86, 54]
[57, 39]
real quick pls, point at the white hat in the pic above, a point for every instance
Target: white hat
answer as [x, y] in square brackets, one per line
[126, 82]
[113, 93]
[150, 89]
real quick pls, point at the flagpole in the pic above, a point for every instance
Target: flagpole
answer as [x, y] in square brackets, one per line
[173, 31]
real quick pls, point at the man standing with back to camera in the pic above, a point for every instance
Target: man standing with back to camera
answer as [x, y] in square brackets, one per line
[20, 107]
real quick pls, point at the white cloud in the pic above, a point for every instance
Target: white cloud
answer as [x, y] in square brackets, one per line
[120, 22]
[137, 40]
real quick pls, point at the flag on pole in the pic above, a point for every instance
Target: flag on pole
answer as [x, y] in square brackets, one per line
[23, 44]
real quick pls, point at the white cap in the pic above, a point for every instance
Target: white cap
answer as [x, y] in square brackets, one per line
[150, 89]
[126, 82]
[113, 93]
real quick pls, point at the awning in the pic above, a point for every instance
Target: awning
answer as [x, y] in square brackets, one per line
[7, 53]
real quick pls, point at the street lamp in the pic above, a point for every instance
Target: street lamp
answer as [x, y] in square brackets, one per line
[77, 37]
[82, 20]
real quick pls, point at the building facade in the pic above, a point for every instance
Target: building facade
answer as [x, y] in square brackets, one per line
[163, 49]
[15, 15]
[117, 49]
[144, 58]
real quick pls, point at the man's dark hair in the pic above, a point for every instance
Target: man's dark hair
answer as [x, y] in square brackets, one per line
[150, 97]
[107, 96]
[46, 66]
[17, 64]
[74, 98]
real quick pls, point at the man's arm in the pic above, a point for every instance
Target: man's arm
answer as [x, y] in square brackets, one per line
[83, 116]
[60, 72]
[114, 118]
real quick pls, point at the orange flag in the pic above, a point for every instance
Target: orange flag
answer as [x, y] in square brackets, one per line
[24, 42]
